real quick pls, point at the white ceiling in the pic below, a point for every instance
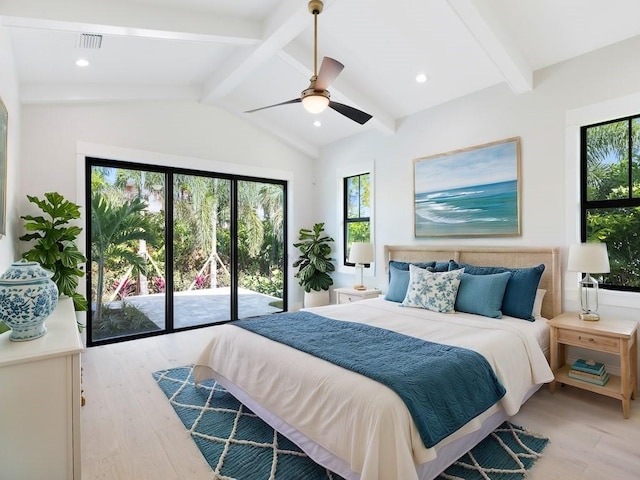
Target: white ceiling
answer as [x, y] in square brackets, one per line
[245, 54]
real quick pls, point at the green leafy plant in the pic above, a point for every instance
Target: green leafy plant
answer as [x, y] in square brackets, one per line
[115, 229]
[314, 263]
[55, 246]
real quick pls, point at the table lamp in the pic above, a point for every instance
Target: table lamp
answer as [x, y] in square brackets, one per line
[588, 258]
[361, 254]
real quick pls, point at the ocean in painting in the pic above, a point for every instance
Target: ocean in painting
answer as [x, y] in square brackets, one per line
[490, 209]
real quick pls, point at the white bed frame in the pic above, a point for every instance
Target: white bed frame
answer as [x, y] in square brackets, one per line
[484, 256]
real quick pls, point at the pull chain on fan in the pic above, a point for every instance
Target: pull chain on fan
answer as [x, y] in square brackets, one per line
[316, 97]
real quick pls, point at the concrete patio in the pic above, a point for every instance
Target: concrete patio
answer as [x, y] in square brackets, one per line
[199, 307]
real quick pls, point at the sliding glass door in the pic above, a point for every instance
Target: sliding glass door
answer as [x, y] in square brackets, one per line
[201, 250]
[174, 249]
[261, 248]
[127, 253]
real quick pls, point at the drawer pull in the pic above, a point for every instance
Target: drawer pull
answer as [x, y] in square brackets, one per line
[591, 339]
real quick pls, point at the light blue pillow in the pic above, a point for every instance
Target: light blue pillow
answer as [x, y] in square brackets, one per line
[399, 279]
[431, 290]
[482, 294]
[398, 284]
[520, 293]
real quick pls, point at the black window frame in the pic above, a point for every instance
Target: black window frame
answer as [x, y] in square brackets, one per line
[169, 172]
[347, 220]
[586, 205]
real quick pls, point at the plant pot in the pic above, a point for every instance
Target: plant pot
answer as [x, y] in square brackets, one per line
[316, 298]
[27, 298]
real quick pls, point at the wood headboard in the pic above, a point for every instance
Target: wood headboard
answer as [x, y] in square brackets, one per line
[514, 257]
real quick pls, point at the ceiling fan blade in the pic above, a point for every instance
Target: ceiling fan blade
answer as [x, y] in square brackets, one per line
[295, 100]
[329, 70]
[350, 112]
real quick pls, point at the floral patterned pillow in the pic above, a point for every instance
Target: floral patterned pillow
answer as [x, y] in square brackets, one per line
[433, 291]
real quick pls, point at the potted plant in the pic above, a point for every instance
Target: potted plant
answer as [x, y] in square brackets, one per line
[55, 246]
[314, 265]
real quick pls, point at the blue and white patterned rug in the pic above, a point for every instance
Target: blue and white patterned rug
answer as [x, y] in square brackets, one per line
[239, 446]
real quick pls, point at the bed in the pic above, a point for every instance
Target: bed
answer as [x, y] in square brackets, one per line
[361, 429]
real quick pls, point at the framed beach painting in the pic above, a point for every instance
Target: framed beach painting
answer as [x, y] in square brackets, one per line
[472, 191]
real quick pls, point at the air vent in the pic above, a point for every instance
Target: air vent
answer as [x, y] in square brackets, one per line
[89, 40]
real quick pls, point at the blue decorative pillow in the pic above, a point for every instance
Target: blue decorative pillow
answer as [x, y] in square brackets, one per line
[431, 290]
[405, 265]
[482, 294]
[440, 266]
[398, 284]
[399, 279]
[521, 287]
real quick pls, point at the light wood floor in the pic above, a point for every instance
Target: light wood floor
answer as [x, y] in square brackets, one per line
[130, 432]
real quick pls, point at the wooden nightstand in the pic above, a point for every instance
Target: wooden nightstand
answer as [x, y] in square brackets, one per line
[349, 295]
[608, 335]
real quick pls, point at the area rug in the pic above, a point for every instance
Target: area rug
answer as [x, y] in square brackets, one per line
[240, 446]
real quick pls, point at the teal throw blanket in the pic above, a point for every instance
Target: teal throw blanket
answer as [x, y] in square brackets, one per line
[443, 386]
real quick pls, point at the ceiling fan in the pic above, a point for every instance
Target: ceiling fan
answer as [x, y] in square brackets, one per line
[316, 97]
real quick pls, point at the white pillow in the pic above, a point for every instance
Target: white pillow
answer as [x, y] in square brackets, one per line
[537, 303]
[433, 291]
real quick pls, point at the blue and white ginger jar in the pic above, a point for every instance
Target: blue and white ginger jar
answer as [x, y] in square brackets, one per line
[27, 298]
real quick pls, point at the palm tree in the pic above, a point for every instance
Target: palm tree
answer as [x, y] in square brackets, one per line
[207, 198]
[113, 231]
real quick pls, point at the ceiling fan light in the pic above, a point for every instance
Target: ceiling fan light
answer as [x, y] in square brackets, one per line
[315, 103]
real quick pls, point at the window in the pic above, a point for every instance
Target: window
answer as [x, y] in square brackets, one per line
[175, 249]
[357, 212]
[610, 196]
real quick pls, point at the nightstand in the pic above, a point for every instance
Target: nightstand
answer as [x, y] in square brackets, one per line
[349, 295]
[609, 335]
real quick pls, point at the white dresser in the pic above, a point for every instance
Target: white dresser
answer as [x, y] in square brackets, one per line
[40, 401]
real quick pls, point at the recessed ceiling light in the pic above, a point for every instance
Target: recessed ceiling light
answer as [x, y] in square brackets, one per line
[421, 78]
[82, 62]
[317, 123]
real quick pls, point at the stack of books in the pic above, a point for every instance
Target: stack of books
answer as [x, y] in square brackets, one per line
[589, 371]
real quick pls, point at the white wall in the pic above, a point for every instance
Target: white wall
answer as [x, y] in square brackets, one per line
[594, 87]
[10, 96]
[53, 136]
[55, 139]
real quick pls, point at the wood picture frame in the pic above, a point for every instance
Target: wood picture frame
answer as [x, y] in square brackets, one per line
[473, 191]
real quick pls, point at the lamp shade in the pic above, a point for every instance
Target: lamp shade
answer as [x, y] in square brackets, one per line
[588, 258]
[361, 253]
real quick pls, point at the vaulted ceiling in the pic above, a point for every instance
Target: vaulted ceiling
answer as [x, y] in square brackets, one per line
[244, 54]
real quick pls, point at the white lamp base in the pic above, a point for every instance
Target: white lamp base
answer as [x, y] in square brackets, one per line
[589, 317]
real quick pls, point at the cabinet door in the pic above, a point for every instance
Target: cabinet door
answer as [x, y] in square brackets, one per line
[36, 417]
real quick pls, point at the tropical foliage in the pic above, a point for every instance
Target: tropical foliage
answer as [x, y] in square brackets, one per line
[201, 229]
[613, 197]
[55, 246]
[358, 210]
[115, 231]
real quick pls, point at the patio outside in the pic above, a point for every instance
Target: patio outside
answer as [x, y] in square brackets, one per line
[200, 307]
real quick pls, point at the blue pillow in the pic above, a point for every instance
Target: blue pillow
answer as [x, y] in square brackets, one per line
[520, 293]
[398, 284]
[398, 281]
[405, 265]
[441, 266]
[482, 294]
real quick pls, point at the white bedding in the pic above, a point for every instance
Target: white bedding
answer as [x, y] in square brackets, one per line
[353, 417]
